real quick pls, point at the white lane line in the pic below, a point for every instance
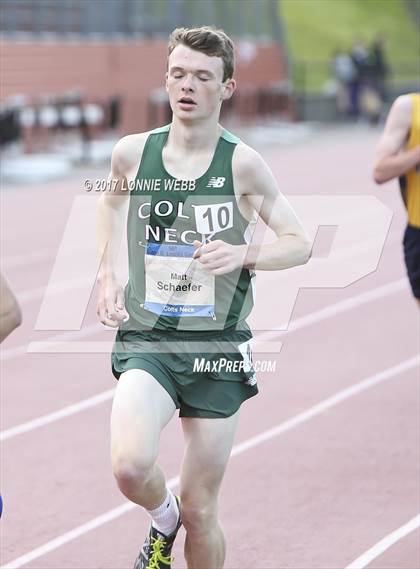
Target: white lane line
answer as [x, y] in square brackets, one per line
[79, 531]
[298, 324]
[343, 306]
[90, 330]
[57, 415]
[238, 449]
[327, 404]
[384, 544]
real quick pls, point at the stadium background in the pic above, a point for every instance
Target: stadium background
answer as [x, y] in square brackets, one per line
[113, 52]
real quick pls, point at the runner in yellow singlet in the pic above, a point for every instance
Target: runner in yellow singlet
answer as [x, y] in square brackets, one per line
[398, 156]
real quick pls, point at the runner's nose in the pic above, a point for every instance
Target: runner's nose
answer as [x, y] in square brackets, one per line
[187, 86]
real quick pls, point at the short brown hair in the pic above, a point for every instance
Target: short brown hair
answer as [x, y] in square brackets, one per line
[208, 40]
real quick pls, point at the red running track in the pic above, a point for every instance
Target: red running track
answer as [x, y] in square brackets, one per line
[338, 469]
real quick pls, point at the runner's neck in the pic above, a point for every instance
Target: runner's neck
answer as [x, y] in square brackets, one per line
[193, 138]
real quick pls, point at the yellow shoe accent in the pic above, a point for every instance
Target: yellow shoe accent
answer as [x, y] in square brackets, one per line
[157, 545]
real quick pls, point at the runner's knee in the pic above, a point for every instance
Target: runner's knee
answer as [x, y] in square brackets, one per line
[197, 515]
[131, 472]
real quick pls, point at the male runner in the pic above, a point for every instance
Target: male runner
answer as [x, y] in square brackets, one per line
[398, 156]
[10, 313]
[183, 341]
[10, 318]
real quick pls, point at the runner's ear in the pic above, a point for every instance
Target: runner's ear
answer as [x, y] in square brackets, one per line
[228, 89]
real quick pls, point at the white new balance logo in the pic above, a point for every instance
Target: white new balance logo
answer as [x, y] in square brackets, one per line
[216, 183]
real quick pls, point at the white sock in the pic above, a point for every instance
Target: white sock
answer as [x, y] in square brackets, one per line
[166, 516]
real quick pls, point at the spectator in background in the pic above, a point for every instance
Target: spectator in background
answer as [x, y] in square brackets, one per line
[378, 66]
[114, 112]
[359, 56]
[10, 130]
[344, 72]
[373, 85]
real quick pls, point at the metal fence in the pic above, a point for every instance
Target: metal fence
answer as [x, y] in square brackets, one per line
[316, 76]
[116, 18]
[319, 97]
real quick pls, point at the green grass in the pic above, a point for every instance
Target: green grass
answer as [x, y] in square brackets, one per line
[315, 28]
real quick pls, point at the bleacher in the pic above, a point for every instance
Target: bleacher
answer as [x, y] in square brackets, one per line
[113, 54]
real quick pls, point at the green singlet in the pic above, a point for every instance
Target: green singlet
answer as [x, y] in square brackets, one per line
[187, 327]
[167, 290]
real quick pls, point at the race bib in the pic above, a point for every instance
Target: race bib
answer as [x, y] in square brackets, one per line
[213, 218]
[176, 284]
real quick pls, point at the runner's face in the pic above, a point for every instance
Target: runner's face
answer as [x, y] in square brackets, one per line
[194, 82]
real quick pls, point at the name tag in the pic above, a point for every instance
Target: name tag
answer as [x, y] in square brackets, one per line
[176, 284]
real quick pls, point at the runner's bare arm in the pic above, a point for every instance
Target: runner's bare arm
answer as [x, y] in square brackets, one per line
[255, 183]
[259, 187]
[391, 159]
[112, 209]
[10, 313]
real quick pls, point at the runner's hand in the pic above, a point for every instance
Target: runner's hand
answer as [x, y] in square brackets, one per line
[110, 308]
[219, 257]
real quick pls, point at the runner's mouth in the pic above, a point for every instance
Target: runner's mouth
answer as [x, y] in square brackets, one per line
[187, 101]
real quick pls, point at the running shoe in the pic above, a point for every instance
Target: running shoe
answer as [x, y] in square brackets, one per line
[157, 548]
